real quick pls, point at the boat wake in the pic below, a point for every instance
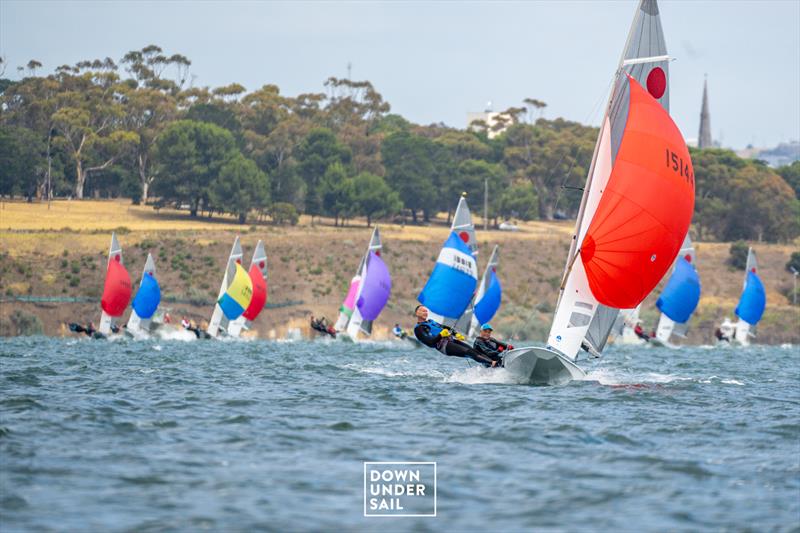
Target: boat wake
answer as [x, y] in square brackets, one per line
[622, 378]
[478, 375]
[174, 334]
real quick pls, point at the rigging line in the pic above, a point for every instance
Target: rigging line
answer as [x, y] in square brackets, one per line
[589, 116]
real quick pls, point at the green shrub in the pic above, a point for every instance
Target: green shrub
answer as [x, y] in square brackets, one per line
[738, 255]
[284, 213]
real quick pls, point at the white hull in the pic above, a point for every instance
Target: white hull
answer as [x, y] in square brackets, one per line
[540, 366]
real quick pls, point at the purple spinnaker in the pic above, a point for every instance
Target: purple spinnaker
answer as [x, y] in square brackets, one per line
[377, 286]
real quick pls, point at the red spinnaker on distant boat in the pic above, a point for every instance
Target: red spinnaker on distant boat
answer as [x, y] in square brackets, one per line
[259, 294]
[645, 210]
[117, 291]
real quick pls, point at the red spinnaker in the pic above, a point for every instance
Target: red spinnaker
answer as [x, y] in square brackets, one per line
[645, 211]
[117, 291]
[259, 294]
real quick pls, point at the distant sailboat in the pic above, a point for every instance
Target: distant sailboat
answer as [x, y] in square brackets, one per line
[634, 214]
[488, 298]
[680, 296]
[258, 277]
[751, 304]
[218, 319]
[369, 291]
[145, 303]
[117, 289]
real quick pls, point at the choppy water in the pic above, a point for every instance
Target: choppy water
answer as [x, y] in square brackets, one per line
[235, 436]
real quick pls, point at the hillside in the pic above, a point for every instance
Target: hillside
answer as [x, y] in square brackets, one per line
[60, 252]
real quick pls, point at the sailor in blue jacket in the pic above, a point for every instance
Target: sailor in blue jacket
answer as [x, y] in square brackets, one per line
[445, 339]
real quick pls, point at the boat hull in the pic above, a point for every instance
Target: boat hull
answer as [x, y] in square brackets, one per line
[540, 366]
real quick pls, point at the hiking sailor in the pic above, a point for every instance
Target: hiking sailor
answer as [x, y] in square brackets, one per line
[445, 339]
[489, 346]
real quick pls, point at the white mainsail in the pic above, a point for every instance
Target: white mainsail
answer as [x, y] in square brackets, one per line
[258, 261]
[107, 322]
[138, 326]
[356, 323]
[218, 321]
[577, 307]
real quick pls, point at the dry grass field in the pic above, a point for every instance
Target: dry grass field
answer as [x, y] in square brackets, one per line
[61, 252]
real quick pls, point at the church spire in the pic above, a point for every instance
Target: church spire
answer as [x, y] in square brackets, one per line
[704, 137]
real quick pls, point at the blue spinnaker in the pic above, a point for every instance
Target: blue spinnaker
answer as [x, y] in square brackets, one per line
[486, 308]
[148, 297]
[753, 299]
[679, 298]
[452, 283]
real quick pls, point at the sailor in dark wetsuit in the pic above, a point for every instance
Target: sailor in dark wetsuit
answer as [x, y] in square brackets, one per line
[489, 346]
[445, 339]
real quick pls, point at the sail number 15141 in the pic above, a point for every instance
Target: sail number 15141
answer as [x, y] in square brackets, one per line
[678, 165]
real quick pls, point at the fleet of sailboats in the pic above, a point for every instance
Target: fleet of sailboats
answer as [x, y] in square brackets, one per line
[632, 227]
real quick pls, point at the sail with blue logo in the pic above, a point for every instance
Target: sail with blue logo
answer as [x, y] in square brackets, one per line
[452, 284]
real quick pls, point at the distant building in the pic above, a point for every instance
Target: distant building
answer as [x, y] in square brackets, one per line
[704, 136]
[783, 154]
[496, 122]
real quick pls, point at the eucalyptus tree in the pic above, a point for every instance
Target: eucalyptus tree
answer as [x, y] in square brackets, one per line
[90, 118]
[151, 102]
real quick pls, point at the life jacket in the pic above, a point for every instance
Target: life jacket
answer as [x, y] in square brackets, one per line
[435, 327]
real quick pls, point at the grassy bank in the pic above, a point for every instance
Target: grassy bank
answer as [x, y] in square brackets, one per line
[61, 252]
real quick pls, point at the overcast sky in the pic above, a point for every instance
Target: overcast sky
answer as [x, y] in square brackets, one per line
[435, 61]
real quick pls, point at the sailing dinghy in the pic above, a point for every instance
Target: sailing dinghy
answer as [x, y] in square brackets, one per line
[258, 277]
[679, 298]
[369, 291]
[238, 300]
[116, 291]
[634, 214]
[751, 304]
[145, 303]
[464, 229]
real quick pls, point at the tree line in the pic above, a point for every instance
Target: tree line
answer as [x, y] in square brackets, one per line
[135, 128]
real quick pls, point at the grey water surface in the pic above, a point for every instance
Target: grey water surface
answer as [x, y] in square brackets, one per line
[169, 435]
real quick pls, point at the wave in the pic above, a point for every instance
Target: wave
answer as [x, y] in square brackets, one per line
[478, 375]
